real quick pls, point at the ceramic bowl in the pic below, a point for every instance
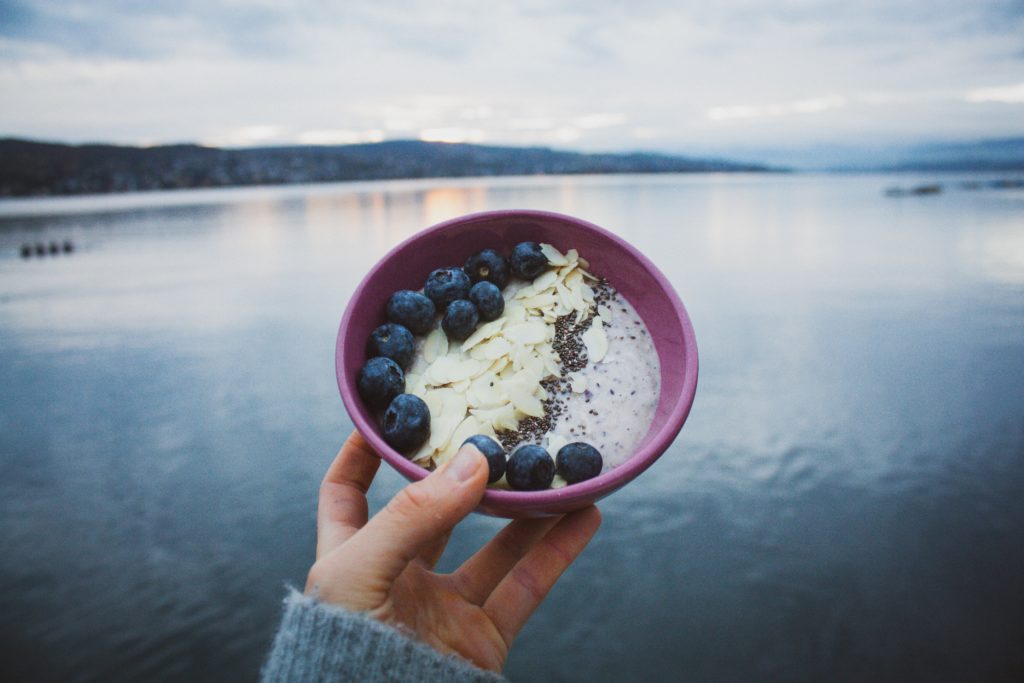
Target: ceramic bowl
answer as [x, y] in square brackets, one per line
[451, 243]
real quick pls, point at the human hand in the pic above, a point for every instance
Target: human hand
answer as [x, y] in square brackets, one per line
[384, 566]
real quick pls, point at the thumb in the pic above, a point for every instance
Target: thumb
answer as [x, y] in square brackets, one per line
[420, 513]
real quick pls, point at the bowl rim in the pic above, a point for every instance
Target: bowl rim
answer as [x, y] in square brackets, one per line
[590, 489]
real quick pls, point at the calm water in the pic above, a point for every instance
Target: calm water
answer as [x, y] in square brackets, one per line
[844, 503]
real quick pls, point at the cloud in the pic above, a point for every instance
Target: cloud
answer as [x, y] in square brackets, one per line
[1008, 94]
[595, 74]
[812, 105]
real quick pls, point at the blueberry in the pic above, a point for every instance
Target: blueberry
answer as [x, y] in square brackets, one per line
[413, 310]
[445, 285]
[488, 300]
[379, 381]
[394, 342]
[578, 461]
[406, 423]
[530, 468]
[494, 453]
[528, 261]
[487, 266]
[460, 319]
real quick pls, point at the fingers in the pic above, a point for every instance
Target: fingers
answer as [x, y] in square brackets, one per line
[431, 553]
[480, 574]
[418, 515]
[342, 510]
[519, 593]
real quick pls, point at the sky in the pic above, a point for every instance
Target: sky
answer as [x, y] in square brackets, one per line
[689, 75]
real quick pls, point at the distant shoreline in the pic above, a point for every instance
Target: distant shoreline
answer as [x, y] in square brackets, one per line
[40, 169]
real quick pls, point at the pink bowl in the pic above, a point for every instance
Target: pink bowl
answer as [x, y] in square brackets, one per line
[451, 243]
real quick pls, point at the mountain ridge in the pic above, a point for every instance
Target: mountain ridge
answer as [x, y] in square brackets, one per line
[34, 168]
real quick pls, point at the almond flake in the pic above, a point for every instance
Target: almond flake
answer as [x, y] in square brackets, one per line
[499, 364]
[441, 430]
[596, 341]
[435, 345]
[555, 443]
[551, 365]
[533, 332]
[574, 279]
[467, 428]
[494, 348]
[485, 392]
[514, 312]
[521, 396]
[485, 331]
[434, 399]
[605, 314]
[414, 384]
[541, 301]
[544, 280]
[572, 256]
[568, 300]
[579, 384]
[499, 418]
[422, 454]
[554, 256]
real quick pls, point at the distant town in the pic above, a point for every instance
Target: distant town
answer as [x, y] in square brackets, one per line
[29, 168]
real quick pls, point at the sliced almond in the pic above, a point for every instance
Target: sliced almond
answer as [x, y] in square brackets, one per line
[555, 443]
[596, 341]
[555, 257]
[467, 428]
[578, 383]
[415, 385]
[521, 396]
[544, 280]
[435, 345]
[485, 331]
[502, 418]
[423, 453]
[531, 332]
[494, 348]
[449, 369]
[551, 365]
[541, 301]
[441, 430]
[435, 399]
[485, 392]
[514, 312]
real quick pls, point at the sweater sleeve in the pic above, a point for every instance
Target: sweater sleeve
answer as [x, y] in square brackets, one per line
[317, 642]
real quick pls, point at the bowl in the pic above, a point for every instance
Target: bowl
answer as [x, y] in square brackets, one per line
[451, 243]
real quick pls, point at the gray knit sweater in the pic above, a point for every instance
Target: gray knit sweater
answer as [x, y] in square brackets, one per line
[319, 642]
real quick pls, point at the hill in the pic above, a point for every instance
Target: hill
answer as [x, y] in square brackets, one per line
[40, 168]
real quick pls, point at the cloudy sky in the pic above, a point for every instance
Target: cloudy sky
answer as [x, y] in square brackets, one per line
[587, 74]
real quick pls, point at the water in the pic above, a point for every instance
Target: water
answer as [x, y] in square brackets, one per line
[843, 503]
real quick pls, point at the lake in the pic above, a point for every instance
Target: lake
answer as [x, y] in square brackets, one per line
[844, 502]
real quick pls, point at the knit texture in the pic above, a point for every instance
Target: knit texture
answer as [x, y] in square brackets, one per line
[319, 642]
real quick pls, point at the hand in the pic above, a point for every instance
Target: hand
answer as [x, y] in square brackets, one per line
[384, 566]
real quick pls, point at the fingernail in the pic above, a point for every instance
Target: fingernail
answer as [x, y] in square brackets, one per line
[464, 465]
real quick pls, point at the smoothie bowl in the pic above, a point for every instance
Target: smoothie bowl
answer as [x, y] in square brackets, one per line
[554, 345]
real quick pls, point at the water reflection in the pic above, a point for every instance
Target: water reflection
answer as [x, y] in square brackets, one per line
[843, 502]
